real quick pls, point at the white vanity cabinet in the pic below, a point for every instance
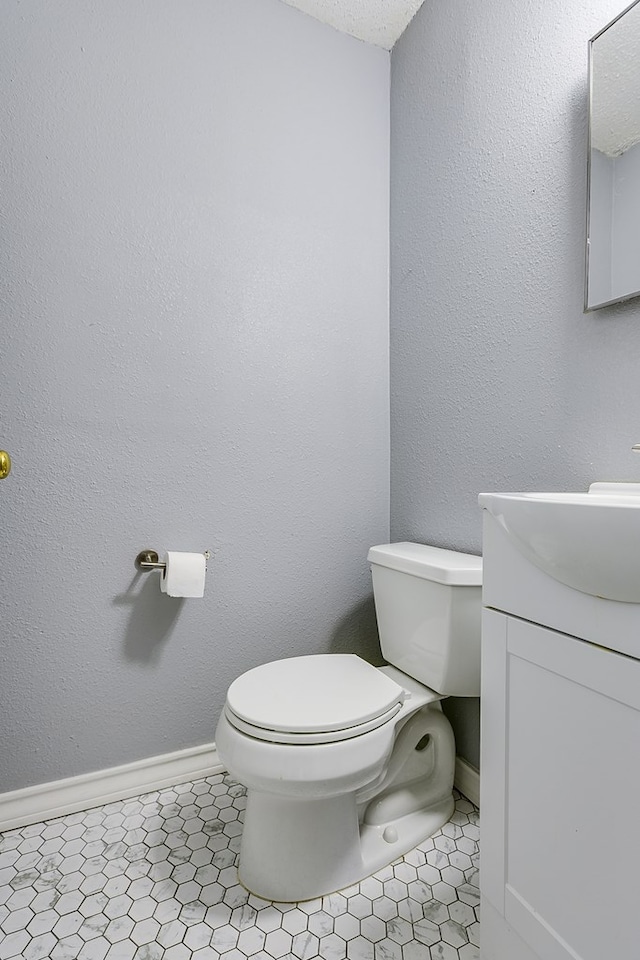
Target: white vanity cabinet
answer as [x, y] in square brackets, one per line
[560, 766]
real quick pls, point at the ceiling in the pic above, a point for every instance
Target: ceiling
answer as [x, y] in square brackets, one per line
[376, 21]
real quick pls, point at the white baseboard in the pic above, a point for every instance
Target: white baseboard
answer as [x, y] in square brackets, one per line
[45, 801]
[467, 780]
[60, 797]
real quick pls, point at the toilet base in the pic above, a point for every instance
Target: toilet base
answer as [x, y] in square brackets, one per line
[412, 829]
[296, 850]
[299, 849]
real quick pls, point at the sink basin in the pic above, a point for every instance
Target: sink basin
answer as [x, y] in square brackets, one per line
[588, 541]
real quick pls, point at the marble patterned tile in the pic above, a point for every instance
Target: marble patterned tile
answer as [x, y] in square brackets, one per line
[156, 877]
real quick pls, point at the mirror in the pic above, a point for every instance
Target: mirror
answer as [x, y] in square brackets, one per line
[613, 204]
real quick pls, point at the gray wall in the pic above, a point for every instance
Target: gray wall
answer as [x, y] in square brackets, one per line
[194, 354]
[499, 381]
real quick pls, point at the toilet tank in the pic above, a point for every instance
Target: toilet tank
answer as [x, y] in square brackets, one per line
[428, 606]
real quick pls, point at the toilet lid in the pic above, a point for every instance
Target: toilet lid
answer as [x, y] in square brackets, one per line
[313, 695]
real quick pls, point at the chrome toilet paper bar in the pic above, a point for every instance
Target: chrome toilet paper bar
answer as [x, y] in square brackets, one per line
[149, 560]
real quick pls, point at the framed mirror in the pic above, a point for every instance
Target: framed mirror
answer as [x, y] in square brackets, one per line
[613, 202]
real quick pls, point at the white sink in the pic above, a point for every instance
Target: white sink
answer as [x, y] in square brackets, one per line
[589, 541]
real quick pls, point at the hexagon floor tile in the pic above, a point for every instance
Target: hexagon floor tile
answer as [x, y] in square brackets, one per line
[155, 877]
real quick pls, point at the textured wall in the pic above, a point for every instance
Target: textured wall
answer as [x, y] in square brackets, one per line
[194, 353]
[499, 381]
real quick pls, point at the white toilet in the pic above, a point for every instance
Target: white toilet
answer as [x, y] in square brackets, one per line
[349, 766]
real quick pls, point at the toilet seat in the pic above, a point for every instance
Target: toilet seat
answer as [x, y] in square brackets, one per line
[316, 699]
[303, 739]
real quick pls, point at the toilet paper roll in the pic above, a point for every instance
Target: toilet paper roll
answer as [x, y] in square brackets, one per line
[184, 574]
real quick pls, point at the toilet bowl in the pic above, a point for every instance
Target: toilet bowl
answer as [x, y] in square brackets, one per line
[348, 766]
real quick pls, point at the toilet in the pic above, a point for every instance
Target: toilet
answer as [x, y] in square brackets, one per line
[348, 766]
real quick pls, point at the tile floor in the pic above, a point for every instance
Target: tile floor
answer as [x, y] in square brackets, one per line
[156, 877]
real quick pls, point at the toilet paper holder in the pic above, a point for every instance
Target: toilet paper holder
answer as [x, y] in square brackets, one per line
[148, 560]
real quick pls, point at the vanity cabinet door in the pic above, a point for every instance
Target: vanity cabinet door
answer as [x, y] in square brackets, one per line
[560, 795]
